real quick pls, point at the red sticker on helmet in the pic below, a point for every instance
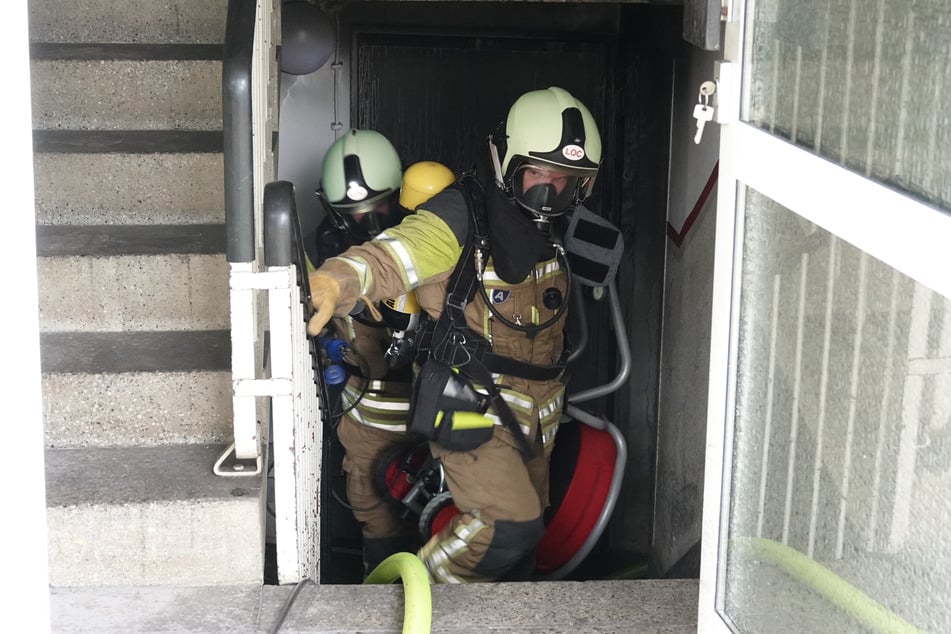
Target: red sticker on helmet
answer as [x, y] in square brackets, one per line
[573, 152]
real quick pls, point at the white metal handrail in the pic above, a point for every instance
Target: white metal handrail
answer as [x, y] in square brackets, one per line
[250, 100]
[273, 390]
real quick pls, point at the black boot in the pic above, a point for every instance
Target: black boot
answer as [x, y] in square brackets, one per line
[521, 571]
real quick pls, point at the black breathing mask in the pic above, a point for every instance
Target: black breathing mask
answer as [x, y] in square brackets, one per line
[516, 242]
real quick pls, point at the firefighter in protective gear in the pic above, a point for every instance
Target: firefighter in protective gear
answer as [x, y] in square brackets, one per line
[361, 178]
[359, 189]
[421, 181]
[500, 235]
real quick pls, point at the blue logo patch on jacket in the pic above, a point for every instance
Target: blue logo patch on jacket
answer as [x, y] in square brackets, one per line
[499, 296]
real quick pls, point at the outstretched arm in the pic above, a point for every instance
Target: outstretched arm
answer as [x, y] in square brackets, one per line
[423, 249]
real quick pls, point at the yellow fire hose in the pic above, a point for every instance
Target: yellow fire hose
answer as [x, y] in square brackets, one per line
[840, 592]
[418, 611]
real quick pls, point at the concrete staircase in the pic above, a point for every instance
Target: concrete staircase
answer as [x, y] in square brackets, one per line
[134, 316]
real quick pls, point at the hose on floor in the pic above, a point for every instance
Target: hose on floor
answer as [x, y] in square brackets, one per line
[418, 611]
[840, 592]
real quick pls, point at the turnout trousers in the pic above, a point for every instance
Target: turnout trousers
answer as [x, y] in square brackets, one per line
[501, 498]
[384, 529]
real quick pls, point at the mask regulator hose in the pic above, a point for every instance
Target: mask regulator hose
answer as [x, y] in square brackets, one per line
[560, 306]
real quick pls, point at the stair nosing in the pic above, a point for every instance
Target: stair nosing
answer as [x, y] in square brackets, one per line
[128, 141]
[60, 240]
[122, 51]
[96, 352]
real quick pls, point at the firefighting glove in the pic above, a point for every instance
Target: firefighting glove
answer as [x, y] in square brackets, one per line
[324, 295]
[333, 292]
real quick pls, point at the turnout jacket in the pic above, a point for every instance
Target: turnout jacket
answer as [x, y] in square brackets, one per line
[381, 396]
[421, 253]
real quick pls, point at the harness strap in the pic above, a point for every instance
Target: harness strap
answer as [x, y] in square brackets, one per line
[451, 328]
[453, 343]
[456, 346]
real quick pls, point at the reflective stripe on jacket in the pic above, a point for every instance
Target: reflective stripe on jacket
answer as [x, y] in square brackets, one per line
[380, 403]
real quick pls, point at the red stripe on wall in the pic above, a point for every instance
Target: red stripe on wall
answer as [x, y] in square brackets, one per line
[672, 233]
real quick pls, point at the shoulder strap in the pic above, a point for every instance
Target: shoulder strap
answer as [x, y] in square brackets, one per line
[461, 288]
[453, 342]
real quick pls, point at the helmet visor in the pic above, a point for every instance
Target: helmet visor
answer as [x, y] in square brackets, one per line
[545, 189]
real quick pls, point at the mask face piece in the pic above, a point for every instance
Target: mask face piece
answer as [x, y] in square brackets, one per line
[516, 242]
[365, 221]
[545, 190]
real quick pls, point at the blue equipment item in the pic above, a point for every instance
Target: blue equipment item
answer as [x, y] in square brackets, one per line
[336, 349]
[333, 351]
[334, 374]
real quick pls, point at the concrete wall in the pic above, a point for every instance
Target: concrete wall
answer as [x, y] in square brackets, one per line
[681, 427]
[307, 110]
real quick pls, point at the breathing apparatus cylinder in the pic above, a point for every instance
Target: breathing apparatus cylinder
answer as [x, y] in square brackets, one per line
[421, 181]
[401, 314]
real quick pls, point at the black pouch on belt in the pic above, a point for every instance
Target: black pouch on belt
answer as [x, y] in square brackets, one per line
[447, 409]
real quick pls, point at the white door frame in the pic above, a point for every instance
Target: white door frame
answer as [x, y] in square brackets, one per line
[900, 231]
[26, 593]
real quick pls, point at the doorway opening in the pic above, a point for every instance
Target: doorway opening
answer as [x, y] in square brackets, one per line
[435, 78]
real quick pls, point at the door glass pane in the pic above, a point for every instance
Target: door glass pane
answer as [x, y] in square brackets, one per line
[841, 480]
[865, 83]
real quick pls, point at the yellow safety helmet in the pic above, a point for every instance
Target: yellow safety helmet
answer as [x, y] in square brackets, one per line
[422, 181]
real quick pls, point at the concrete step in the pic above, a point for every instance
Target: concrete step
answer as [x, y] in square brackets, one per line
[151, 516]
[107, 389]
[136, 292]
[179, 21]
[126, 94]
[137, 408]
[645, 607]
[100, 178]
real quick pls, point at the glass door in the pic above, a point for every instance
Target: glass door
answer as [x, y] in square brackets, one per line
[828, 466]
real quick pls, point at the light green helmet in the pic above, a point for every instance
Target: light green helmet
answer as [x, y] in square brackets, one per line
[549, 130]
[361, 175]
